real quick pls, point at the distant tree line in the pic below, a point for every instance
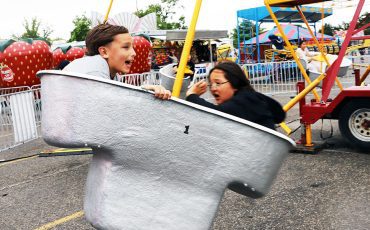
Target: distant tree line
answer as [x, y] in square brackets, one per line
[363, 20]
[165, 20]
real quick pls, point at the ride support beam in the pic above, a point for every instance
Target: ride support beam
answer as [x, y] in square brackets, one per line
[286, 128]
[306, 131]
[308, 136]
[300, 66]
[302, 94]
[186, 50]
[108, 11]
[321, 48]
[333, 69]
[302, 102]
[361, 38]
[361, 28]
[364, 76]
[356, 72]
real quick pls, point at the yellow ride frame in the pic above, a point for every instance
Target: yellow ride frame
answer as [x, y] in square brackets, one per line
[311, 85]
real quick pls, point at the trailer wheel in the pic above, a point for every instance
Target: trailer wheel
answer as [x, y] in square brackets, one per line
[354, 123]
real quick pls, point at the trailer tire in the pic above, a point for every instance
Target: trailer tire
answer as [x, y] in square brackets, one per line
[354, 123]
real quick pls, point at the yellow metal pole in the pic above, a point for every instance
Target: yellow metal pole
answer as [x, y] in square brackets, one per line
[285, 128]
[321, 49]
[297, 98]
[364, 76]
[186, 50]
[107, 14]
[300, 66]
[308, 135]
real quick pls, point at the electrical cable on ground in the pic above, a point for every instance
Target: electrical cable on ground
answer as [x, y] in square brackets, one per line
[50, 153]
[17, 158]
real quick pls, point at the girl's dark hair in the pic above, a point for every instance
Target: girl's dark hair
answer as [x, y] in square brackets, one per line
[234, 74]
[301, 42]
[102, 35]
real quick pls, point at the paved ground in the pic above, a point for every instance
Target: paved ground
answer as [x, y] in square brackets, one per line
[329, 190]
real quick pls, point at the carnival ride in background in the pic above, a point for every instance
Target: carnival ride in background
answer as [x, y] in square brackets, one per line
[226, 52]
[253, 49]
[265, 61]
[359, 48]
[351, 107]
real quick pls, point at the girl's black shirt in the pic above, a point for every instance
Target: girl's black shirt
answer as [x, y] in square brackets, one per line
[249, 105]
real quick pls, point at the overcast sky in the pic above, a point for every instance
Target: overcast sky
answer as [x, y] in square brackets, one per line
[58, 15]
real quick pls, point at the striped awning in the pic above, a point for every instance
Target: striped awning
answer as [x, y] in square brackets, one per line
[291, 31]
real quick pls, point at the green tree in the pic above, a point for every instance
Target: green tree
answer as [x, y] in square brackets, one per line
[32, 30]
[328, 29]
[165, 15]
[82, 27]
[343, 26]
[246, 31]
[363, 20]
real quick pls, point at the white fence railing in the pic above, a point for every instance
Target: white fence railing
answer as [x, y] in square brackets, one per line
[20, 107]
[150, 78]
[200, 74]
[268, 78]
[273, 77]
[13, 89]
[20, 116]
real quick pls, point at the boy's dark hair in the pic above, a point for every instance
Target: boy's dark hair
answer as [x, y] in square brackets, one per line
[62, 64]
[234, 74]
[102, 35]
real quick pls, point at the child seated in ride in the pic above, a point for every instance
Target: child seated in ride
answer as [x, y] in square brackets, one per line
[110, 51]
[235, 95]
